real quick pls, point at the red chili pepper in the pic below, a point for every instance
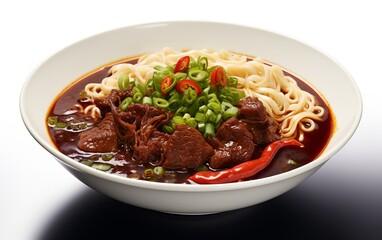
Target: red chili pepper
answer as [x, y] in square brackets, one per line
[182, 64]
[165, 85]
[245, 169]
[218, 77]
[182, 86]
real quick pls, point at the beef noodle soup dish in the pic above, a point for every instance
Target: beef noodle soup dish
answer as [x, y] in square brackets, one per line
[191, 117]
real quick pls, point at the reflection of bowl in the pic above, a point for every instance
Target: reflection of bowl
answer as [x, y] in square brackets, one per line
[57, 72]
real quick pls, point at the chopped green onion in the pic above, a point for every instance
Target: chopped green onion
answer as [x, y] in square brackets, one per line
[210, 116]
[101, 166]
[186, 116]
[226, 105]
[210, 130]
[52, 120]
[203, 63]
[87, 162]
[178, 76]
[60, 125]
[148, 173]
[203, 109]
[192, 122]
[147, 100]
[174, 104]
[156, 94]
[230, 112]
[202, 127]
[125, 103]
[107, 157]
[292, 162]
[178, 120]
[160, 102]
[200, 117]
[197, 74]
[215, 106]
[140, 87]
[181, 111]
[137, 97]
[167, 129]
[158, 170]
[218, 119]
[232, 81]
[123, 82]
[189, 96]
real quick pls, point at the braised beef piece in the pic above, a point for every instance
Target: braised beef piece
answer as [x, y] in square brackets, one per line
[150, 145]
[233, 144]
[251, 108]
[186, 148]
[263, 127]
[102, 138]
[138, 128]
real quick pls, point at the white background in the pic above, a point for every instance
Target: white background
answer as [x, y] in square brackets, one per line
[35, 190]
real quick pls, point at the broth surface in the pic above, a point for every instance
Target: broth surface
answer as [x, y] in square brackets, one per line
[123, 164]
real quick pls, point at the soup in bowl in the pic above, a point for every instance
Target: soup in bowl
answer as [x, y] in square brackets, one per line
[191, 126]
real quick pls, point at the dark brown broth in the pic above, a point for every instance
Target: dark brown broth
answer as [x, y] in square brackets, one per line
[124, 165]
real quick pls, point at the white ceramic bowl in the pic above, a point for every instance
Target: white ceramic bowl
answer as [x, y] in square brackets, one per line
[337, 86]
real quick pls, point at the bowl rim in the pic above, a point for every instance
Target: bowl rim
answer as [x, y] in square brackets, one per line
[315, 164]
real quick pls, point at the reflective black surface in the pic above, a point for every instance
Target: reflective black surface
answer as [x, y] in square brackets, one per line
[327, 214]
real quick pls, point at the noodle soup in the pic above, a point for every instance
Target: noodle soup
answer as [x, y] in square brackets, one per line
[132, 117]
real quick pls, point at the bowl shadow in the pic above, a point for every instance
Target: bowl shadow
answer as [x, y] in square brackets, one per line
[92, 215]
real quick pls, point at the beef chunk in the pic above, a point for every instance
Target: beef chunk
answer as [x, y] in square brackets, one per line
[263, 127]
[138, 127]
[233, 144]
[251, 108]
[150, 145]
[102, 138]
[186, 148]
